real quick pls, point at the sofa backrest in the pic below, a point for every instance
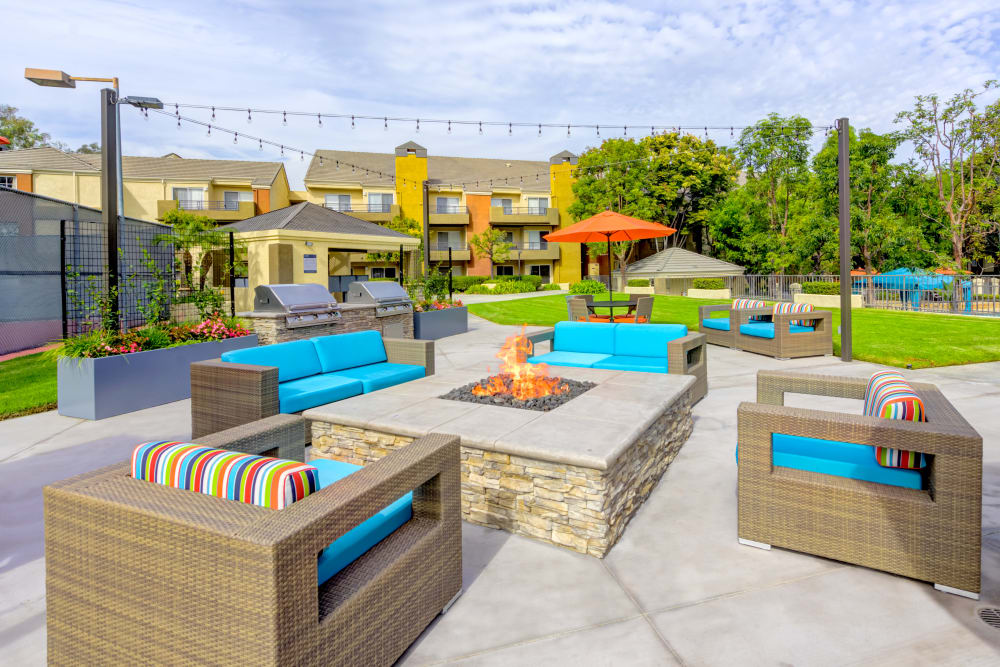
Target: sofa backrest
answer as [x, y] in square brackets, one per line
[594, 337]
[349, 350]
[258, 480]
[786, 307]
[646, 340]
[294, 359]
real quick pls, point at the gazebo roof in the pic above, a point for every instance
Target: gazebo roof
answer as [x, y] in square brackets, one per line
[678, 262]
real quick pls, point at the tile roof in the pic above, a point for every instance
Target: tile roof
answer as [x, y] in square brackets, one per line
[45, 158]
[309, 217]
[681, 262]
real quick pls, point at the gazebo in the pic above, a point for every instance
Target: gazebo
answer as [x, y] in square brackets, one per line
[677, 268]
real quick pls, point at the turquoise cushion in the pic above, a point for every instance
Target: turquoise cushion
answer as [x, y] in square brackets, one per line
[720, 323]
[843, 459]
[349, 350]
[355, 542]
[625, 363]
[592, 337]
[766, 329]
[579, 359]
[646, 340]
[294, 359]
[309, 392]
[379, 376]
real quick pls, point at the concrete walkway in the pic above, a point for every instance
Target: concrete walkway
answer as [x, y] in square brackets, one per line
[489, 298]
[677, 589]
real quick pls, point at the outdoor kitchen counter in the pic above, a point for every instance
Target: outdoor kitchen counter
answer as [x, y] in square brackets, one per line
[271, 328]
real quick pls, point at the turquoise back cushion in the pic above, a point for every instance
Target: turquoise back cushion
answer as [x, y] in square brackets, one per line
[595, 337]
[349, 350]
[294, 359]
[646, 340]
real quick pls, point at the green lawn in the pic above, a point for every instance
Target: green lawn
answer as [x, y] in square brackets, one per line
[882, 336]
[27, 385]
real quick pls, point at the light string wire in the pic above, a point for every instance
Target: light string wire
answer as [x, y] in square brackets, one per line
[367, 171]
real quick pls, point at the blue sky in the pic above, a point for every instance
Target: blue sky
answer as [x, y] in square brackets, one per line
[592, 61]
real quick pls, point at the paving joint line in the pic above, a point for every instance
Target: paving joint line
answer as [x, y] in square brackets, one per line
[42, 440]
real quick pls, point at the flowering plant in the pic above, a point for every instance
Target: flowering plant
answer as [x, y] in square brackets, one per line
[437, 304]
[101, 343]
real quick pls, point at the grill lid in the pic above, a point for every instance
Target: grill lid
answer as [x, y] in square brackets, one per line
[292, 298]
[381, 291]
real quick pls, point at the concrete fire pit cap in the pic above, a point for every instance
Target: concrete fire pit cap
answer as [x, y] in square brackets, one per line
[591, 430]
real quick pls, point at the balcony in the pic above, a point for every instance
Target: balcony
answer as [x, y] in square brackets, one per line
[221, 211]
[534, 250]
[369, 212]
[449, 215]
[459, 252]
[523, 215]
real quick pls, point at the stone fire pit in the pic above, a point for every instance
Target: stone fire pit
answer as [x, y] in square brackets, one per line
[573, 476]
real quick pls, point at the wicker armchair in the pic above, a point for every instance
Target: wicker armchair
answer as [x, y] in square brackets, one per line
[933, 535]
[224, 395]
[137, 572]
[785, 344]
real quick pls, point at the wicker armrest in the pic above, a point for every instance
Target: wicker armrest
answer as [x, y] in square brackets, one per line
[772, 386]
[743, 316]
[822, 319]
[224, 395]
[687, 354]
[703, 311]
[410, 351]
[541, 337]
[281, 436]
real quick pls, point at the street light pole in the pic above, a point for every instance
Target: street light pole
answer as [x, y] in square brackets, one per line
[109, 188]
[844, 178]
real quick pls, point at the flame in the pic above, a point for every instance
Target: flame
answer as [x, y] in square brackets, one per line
[517, 377]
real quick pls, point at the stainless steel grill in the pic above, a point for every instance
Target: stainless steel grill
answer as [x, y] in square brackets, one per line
[389, 298]
[303, 305]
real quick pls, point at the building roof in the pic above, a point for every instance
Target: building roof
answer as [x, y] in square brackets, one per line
[441, 170]
[678, 262]
[170, 166]
[309, 217]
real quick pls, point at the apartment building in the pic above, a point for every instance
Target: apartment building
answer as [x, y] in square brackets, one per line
[525, 199]
[224, 190]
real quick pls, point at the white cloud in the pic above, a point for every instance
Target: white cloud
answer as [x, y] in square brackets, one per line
[722, 63]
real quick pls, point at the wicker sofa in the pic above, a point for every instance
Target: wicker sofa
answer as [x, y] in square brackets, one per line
[138, 572]
[762, 330]
[931, 533]
[246, 385]
[649, 348]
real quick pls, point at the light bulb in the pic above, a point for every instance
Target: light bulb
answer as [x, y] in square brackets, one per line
[236, 135]
[249, 118]
[284, 118]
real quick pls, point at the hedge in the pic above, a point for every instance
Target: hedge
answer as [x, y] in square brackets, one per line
[638, 282]
[708, 283]
[550, 286]
[535, 280]
[587, 287]
[514, 287]
[820, 288]
[462, 283]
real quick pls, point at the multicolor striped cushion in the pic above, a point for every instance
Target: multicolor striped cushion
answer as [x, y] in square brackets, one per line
[786, 307]
[890, 396]
[746, 304]
[258, 480]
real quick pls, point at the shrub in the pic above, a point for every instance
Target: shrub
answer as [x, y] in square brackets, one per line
[477, 289]
[587, 286]
[101, 343]
[550, 286]
[536, 280]
[462, 283]
[821, 288]
[638, 282]
[513, 287]
[708, 283]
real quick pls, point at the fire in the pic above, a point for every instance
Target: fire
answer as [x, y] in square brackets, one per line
[517, 377]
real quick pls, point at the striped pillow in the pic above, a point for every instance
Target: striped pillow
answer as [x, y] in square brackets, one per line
[890, 396]
[786, 307]
[258, 480]
[746, 304]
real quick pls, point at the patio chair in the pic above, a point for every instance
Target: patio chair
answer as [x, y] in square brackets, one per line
[721, 330]
[579, 310]
[781, 331]
[642, 314]
[926, 527]
[140, 572]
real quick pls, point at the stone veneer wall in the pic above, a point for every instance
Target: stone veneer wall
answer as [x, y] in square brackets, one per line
[583, 509]
[272, 328]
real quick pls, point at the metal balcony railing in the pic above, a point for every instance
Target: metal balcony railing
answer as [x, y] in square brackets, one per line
[342, 208]
[524, 210]
[448, 246]
[534, 245]
[378, 208]
[442, 208]
[207, 205]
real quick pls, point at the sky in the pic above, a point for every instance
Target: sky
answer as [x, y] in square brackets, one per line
[586, 62]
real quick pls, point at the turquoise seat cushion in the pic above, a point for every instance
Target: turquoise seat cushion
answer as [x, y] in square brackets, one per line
[718, 323]
[620, 362]
[589, 337]
[309, 392]
[646, 340]
[766, 329]
[349, 350]
[579, 359]
[379, 376]
[294, 359]
[354, 543]
[842, 459]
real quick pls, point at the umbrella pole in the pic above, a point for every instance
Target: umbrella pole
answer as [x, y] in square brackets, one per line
[611, 272]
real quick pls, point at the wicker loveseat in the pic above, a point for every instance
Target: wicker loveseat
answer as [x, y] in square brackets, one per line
[930, 530]
[773, 330]
[247, 385]
[142, 573]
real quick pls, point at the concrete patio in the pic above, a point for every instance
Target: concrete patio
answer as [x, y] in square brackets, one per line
[676, 589]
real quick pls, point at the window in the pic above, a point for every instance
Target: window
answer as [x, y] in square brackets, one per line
[190, 198]
[8, 182]
[502, 202]
[384, 272]
[507, 270]
[379, 202]
[508, 237]
[542, 270]
[231, 199]
[447, 240]
[538, 205]
[338, 202]
[447, 205]
[535, 240]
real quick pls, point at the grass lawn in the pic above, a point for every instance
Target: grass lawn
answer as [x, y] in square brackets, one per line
[27, 385]
[881, 336]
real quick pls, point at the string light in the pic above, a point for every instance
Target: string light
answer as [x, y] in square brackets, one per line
[449, 127]
[598, 130]
[386, 123]
[213, 114]
[352, 122]
[480, 128]
[510, 129]
[626, 130]
[236, 135]
[207, 134]
[282, 151]
[284, 118]
[302, 156]
[321, 160]
[249, 118]
[539, 129]
[319, 120]
[418, 126]
[260, 145]
[567, 130]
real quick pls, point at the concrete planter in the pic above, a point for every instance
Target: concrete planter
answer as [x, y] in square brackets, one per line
[709, 293]
[828, 300]
[435, 324]
[109, 386]
[638, 290]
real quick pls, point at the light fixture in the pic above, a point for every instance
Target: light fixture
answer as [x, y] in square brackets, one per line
[49, 77]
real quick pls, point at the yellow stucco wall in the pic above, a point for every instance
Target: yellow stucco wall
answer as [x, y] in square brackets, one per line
[410, 195]
[567, 268]
[280, 190]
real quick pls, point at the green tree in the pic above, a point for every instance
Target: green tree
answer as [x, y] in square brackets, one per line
[403, 225]
[21, 131]
[194, 236]
[491, 244]
[91, 148]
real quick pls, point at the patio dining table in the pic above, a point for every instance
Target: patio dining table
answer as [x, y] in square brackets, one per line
[611, 305]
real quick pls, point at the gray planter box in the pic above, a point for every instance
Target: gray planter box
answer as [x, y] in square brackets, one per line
[440, 323]
[109, 386]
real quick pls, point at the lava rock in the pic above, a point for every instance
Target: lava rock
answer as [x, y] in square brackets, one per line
[542, 404]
